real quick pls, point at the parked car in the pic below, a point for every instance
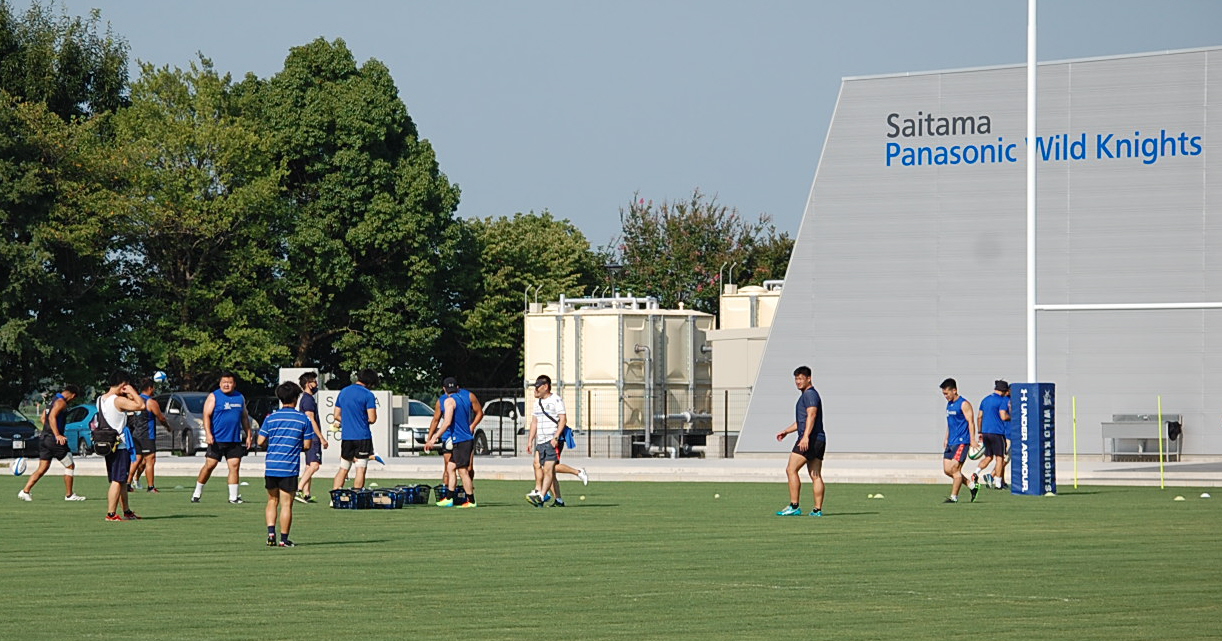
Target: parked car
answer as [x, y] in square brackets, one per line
[504, 418]
[185, 412]
[259, 407]
[76, 428]
[414, 431]
[18, 436]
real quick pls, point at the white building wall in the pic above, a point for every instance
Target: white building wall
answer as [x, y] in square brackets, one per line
[904, 275]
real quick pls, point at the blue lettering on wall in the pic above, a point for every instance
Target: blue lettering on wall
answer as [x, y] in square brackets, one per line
[1148, 149]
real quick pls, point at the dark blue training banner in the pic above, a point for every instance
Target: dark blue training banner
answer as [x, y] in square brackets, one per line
[1033, 463]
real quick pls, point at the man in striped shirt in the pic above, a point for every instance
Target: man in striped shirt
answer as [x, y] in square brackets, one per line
[285, 433]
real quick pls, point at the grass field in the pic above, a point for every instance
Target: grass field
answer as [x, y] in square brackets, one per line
[632, 561]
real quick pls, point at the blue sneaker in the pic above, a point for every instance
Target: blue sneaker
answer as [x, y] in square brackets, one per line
[816, 512]
[790, 511]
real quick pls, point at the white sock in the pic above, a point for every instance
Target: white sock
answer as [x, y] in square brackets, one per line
[199, 490]
[233, 491]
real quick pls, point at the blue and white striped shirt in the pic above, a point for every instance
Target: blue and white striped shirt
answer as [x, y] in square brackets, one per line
[286, 431]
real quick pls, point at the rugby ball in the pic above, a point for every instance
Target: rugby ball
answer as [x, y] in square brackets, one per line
[159, 377]
[975, 452]
[19, 467]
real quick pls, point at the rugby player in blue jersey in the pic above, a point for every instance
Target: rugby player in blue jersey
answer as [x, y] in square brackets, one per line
[960, 434]
[285, 434]
[356, 408]
[461, 412]
[227, 430]
[808, 451]
[992, 424]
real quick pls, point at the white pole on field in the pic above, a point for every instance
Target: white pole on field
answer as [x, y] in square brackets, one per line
[1032, 374]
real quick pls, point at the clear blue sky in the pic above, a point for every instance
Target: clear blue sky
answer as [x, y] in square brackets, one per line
[574, 106]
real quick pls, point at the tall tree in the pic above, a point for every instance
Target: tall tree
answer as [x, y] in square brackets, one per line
[374, 246]
[534, 250]
[204, 228]
[56, 253]
[66, 62]
[675, 250]
[58, 277]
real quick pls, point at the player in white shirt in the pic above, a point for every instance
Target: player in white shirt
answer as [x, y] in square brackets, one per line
[547, 424]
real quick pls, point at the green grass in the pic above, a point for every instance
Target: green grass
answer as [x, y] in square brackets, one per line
[632, 561]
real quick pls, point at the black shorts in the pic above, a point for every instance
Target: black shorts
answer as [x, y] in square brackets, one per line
[48, 449]
[144, 444]
[994, 444]
[220, 450]
[282, 483]
[814, 451]
[352, 450]
[461, 457]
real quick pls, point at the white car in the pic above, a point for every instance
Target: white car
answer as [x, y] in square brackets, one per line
[504, 418]
[413, 429]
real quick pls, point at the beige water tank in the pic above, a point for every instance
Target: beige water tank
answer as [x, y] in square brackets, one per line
[615, 366]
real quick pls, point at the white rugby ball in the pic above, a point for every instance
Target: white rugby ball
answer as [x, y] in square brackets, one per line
[19, 466]
[159, 377]
[975, 452]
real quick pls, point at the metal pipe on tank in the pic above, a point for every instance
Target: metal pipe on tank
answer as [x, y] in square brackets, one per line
[774, 284]
[647, 421]
[577, 382]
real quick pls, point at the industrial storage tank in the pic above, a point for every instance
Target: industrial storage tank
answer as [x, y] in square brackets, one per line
[637, 377]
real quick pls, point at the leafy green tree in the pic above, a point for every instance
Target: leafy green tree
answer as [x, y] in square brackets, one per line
[57, 271]
[375, 251]
[527, 250]
[675, 250]
[63, 61]
[203, 228]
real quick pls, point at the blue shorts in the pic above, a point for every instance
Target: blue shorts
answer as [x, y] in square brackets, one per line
[314, 454]
[118, 466]
[956, 452]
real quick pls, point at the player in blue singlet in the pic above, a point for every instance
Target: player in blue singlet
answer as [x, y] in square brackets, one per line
[960, 434]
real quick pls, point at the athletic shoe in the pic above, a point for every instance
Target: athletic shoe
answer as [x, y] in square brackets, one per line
[790, 511]
[113, 517]
[287, 544]
[445, 503]
[134, 486]
[988, 480]
[130, 488]
[152, 490]
[130, 516]
[300, 498]
[557, 504]
[74, 497]
[195, 499]
[951, 499]
[533, 497]
[24, 495]
[974, 489]
[237, 500]
[816, 512]
[975, 478]
[271, 540]
[309, 498]
[467, 504]
[585, 478]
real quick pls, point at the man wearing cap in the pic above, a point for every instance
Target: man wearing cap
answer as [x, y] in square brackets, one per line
[461, 413]
[991, 423]
[547, 424]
